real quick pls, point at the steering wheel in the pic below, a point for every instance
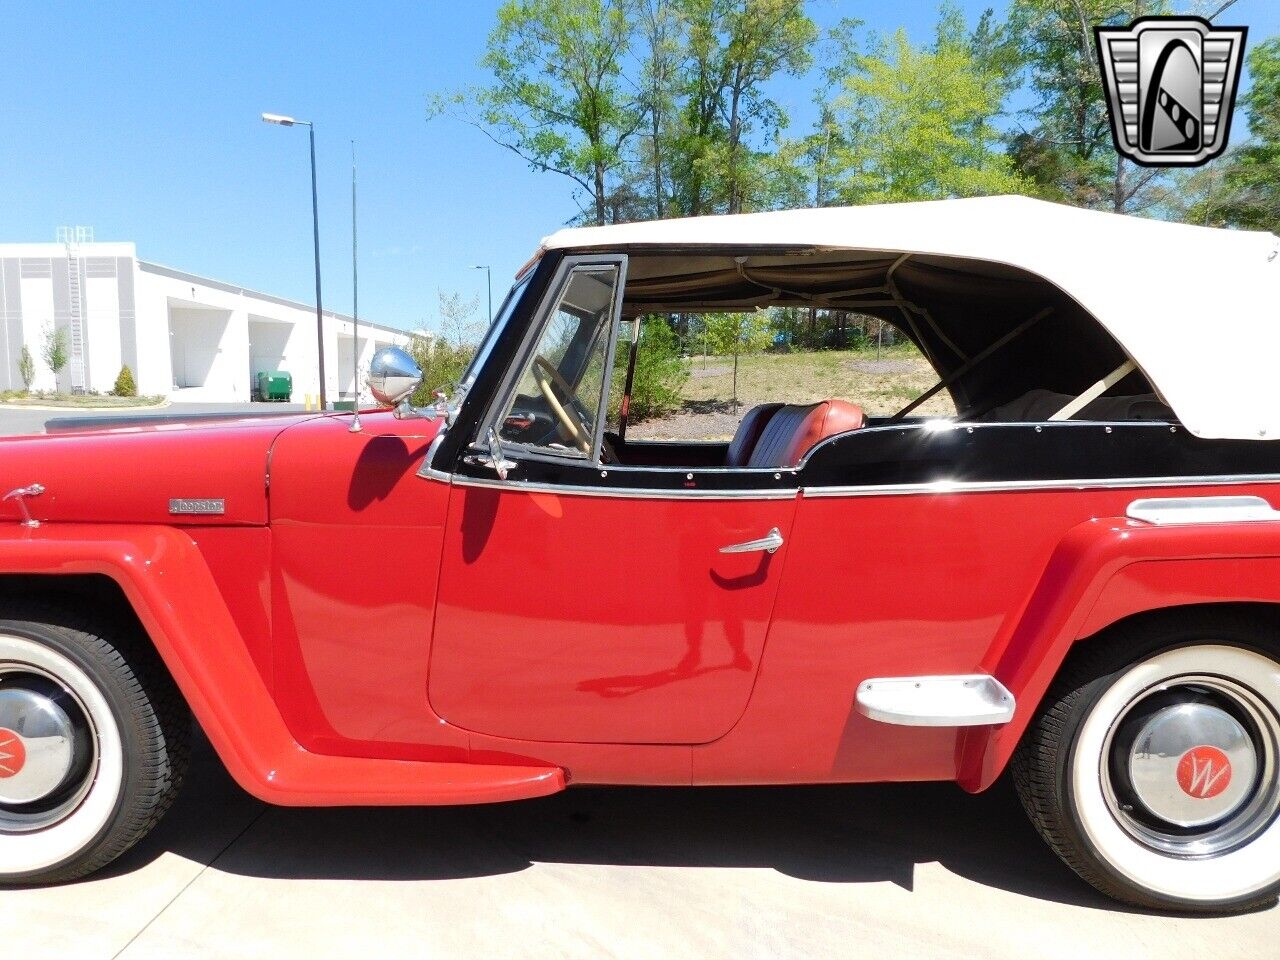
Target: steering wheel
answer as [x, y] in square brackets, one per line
[549, 380]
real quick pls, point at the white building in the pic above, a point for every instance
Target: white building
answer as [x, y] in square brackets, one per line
[182, 335]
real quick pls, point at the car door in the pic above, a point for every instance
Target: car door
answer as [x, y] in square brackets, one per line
[584, 601]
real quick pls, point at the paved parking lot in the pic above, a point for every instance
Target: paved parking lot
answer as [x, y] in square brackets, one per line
[875, 871]
[894, 871]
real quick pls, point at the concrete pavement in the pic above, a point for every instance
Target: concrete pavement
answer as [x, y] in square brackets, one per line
[919, 870]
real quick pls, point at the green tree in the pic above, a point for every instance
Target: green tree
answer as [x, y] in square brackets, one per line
[726, 333]
[26, 368]
[559, 99]
[1247, 192]
[1065, 149]
[917, 123]
[662, 42]
[443, 356]
[53, 349]
[733, 49]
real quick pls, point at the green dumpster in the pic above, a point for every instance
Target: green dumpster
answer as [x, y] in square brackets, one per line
[275, 386]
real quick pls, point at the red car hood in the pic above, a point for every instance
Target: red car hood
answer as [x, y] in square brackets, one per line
[132, 473]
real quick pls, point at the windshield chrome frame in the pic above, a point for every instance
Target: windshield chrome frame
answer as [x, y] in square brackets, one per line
[510, 380]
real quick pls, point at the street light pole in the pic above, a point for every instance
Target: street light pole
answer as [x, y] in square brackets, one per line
[284, 121]
[355, 303]
[488, 276]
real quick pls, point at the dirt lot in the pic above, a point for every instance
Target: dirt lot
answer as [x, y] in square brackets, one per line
[881, 385]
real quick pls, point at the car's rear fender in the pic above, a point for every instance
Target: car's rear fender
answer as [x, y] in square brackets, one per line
[1103, 571]
[168, 584]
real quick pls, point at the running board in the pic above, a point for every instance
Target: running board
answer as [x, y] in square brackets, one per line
[967, 700]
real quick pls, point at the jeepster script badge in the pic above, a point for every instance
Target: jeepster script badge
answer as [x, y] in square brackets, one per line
[1204, 772]
[13, 755]
[1171, 86]
[198, 507]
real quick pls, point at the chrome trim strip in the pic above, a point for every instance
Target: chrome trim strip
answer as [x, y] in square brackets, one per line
[427, 470]
[1173, 510]
[628, 493]
[883, 490]
[965, 700]
[998, 486]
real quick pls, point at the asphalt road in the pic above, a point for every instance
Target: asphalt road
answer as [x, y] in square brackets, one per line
[892, 871]
[16, 420]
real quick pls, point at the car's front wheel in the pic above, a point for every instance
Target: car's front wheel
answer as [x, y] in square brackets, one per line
[93, 744]
[1153, 769]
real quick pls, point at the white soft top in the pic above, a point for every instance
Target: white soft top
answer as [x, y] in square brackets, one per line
[1195, 308]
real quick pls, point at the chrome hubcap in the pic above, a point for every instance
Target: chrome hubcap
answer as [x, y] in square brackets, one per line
[1191, 764]
[36, 745]
[47, 749]
[1191, 767]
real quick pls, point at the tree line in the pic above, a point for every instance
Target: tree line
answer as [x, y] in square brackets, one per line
[663, 108]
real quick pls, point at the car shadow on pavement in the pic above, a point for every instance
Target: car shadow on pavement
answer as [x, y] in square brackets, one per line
[825, 834]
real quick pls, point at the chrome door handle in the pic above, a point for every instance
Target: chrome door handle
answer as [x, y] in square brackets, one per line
[769, 543]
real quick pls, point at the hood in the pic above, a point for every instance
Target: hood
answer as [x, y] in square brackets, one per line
[134, 472]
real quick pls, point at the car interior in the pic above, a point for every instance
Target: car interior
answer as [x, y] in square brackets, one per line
[1006, 346]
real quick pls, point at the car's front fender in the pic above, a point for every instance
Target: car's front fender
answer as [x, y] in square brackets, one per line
[167, 582]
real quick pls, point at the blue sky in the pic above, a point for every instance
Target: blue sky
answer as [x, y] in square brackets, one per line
[141, 120]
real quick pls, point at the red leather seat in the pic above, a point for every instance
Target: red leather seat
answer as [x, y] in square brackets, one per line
[748, 434]
[792, 431]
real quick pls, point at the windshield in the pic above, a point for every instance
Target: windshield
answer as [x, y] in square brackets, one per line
[495, 330]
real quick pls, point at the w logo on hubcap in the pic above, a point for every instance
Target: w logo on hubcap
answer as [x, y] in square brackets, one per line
[1204, 772]
[12, 753]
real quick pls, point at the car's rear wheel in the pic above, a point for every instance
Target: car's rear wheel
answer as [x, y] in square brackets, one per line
[93, 745]
[1154, 769]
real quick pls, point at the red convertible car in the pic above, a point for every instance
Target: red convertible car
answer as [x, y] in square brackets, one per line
[1075, 578]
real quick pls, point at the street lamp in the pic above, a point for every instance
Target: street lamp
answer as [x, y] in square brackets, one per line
[284, 121]
[488, 276]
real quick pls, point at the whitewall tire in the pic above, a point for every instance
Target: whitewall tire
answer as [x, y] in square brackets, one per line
[93, 742]
[1154, 768]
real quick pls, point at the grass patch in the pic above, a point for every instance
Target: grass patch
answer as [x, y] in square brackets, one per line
[881, 383]
[76, 401]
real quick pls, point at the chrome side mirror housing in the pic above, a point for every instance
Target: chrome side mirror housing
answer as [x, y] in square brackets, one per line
[393, 376]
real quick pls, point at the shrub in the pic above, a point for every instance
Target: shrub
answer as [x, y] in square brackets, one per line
[661, 371]
[125, 387]
[442, 364]
[26, 369]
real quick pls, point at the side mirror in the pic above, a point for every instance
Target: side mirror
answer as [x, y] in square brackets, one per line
[393, 376]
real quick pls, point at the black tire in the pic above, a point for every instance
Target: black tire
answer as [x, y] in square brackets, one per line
[1047, 767]
[151, 728]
